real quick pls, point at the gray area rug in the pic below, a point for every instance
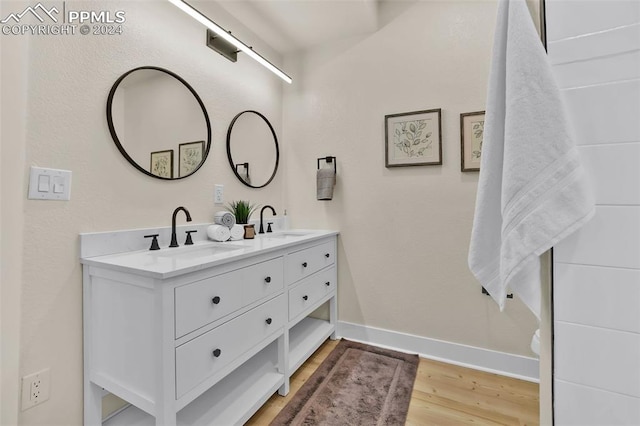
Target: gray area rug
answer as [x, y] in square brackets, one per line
[356, 384]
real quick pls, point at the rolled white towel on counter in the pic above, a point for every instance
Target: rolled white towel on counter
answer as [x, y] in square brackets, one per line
[218, 233]
[224, 218]
[237, 232]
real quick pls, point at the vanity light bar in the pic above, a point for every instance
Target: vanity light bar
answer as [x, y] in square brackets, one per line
[221, 32]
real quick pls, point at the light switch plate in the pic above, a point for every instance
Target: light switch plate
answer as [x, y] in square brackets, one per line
[49, 184]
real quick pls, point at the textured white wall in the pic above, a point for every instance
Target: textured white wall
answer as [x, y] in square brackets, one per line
[595, 47]
[404, 231]
[13, 98]
[69, 80]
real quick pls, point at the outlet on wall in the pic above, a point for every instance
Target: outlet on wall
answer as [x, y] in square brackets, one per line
[35, 388]
[218, 194]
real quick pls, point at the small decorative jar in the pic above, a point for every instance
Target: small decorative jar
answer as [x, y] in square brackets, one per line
[249, 231]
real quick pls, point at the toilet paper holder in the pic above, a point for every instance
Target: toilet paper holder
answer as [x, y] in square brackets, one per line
[328, 159]
[484, 291]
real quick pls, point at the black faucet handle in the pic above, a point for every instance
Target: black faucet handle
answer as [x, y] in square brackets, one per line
[189, 241]
[154, 242]
[269, 226]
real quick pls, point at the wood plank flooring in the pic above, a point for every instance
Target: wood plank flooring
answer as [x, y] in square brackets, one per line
[443, 394]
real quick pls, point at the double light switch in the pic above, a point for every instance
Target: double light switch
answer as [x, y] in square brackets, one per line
[49, 184]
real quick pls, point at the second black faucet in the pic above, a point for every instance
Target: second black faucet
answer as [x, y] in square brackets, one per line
[273, 212]
[174, 239]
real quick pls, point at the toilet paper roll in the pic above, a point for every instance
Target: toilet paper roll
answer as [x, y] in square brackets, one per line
[218, 233]
[224, 218]
[237, 232]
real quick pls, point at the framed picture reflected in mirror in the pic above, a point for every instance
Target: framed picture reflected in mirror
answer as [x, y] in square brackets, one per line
[162, 163]
[189, 157]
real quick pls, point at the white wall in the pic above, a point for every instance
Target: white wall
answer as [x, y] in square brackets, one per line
[595, 49]
[404, 231]
[13, 81]
[69, 80]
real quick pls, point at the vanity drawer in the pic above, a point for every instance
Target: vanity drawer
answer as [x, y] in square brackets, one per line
[203, 356]
[310, 291]
[301, 264]
[205, 301]
[262, 279]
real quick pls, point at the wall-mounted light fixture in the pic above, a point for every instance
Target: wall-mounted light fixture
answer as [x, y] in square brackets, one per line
[228, 38]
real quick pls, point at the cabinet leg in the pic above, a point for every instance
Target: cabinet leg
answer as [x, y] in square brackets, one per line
[165, 414]
[169, 420]
[283, 362]
[92, 404]
[284, 389]
[333, 316]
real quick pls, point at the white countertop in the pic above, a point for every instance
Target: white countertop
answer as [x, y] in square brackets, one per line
[170, 262]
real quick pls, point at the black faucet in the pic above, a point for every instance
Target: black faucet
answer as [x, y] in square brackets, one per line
[261, 231]
[174, 239]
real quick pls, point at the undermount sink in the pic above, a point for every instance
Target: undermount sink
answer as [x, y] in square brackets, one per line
[285, 234]
[196, 251]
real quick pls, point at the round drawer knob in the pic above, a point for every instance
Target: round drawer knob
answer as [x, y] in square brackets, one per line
[215, 300]
[305, 297]
[327, 255]
[304, 264]
[268, 320]
[267, 280]
[328, 283]
[216, 353]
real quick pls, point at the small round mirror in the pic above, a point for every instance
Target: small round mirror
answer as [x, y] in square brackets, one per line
[252, 149]
[159, 123]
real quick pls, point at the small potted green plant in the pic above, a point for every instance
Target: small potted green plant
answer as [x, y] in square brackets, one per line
[243, 210]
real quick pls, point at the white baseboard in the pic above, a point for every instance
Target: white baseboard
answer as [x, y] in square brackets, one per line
[517, 366]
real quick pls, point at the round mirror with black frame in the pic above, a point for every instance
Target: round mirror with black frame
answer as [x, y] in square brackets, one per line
[252, 149]
[159, 123]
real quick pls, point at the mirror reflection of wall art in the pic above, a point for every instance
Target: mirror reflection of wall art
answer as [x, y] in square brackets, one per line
[190, 157]
[151, 109]
[471, 134]
[413, 138]
[162, 163]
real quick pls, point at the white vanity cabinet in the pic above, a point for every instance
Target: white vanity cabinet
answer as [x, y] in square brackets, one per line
[310, 281]
[202, 339]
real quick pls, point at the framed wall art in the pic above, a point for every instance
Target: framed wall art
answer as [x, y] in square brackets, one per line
[413, 138]
[190, 157]
[471, 134]
[162, 163]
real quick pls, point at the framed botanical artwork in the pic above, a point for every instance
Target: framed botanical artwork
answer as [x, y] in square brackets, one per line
[162, 163]
[190, 157]
[471, 134]
[413, 138]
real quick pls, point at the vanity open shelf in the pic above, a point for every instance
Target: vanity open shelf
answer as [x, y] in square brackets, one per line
[232, 401]
[201, 340]
[304, 338]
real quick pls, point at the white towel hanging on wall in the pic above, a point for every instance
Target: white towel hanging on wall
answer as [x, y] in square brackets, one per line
[532, 191]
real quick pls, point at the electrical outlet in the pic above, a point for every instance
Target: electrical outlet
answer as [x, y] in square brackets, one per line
[35, 388]
[218, 194]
